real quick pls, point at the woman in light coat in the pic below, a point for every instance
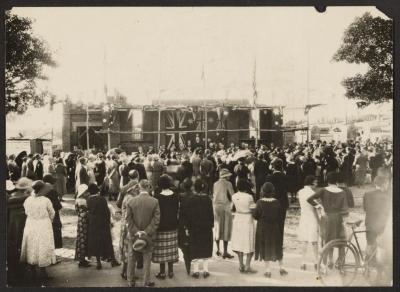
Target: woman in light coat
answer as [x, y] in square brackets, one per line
[222, 201]
[38, 241]
[243, 231]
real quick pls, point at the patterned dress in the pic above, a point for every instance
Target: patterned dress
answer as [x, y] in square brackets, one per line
[81, 246]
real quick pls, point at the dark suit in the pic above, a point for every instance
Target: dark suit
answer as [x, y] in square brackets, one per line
[260, 171]
[83, 176]
[142, 214]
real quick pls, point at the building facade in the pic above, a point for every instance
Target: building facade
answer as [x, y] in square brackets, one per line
[172, 123]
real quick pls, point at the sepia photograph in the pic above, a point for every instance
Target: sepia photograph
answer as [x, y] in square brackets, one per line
[199, 146]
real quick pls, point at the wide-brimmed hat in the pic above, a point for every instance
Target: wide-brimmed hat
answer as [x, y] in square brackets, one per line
[224, 173]
[41, 188]
[81, 190]
[24, 183]
[9, 186]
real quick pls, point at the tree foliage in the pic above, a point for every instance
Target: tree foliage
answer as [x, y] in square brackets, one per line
[369, 40]
[26, 55]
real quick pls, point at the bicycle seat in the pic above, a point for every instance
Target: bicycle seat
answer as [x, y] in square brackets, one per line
[354, 223]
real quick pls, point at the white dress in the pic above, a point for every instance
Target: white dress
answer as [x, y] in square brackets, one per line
[38, 240]
[308, 225]
[243, 229]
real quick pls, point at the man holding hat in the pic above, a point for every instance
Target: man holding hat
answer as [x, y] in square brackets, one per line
[142, 219]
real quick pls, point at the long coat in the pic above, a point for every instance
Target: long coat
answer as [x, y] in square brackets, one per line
[61, 179]
[55, 201]
[269, 241]
[279, 180]
[16, 218]
[200, 222]
[99, 232]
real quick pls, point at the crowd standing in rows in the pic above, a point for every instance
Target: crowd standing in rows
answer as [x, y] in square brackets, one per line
[190, 199]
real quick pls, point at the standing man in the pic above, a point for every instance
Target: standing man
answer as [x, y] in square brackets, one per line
[260, 172]
[142, 218]
[207, 171]
[185, 170]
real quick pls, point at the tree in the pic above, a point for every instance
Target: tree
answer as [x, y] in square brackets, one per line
[369, 40]
[26, 55]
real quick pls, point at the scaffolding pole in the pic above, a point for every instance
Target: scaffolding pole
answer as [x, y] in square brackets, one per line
[205, 128]
[159, 129]
[87, 127]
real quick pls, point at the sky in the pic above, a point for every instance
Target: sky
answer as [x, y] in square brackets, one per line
[200, 53]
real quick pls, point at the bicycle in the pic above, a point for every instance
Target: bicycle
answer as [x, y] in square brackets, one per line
[350, 260]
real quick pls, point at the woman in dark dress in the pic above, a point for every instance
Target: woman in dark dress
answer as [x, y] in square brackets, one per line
[183, 238]
[199, 220]
[269, 242]
[99, 228]
[70, 163]
[333, 205]
[166, 241]
[291, 176]
[16, 218]
[81, 245]
[52, 195]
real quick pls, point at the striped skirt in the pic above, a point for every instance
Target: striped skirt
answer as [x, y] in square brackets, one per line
[166, 247]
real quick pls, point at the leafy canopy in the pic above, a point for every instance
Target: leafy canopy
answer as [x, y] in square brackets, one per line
[369, 40]
[26, 55]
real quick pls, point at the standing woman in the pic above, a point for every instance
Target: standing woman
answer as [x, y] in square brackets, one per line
[70, 164]
[166, 241]
[81, 246]
[55, 201]
[333, 204]
[99, 235]
[222, 201]
[200, 223]
[308, 226]
[183, 238]
[61, 178]
[16, 218]
[113, 178]
[38, 241]
[243, 232]
[269, 243]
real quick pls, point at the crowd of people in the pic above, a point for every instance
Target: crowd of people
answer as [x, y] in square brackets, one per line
[190, 200]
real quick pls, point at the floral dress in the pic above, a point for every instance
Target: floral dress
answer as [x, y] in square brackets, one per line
[81, 246]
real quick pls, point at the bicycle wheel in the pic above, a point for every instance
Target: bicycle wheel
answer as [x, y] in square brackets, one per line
[338, 264]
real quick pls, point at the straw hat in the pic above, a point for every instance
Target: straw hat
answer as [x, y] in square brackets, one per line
[142, 243]
[81, 190]
[224, 173]
[24, 183]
